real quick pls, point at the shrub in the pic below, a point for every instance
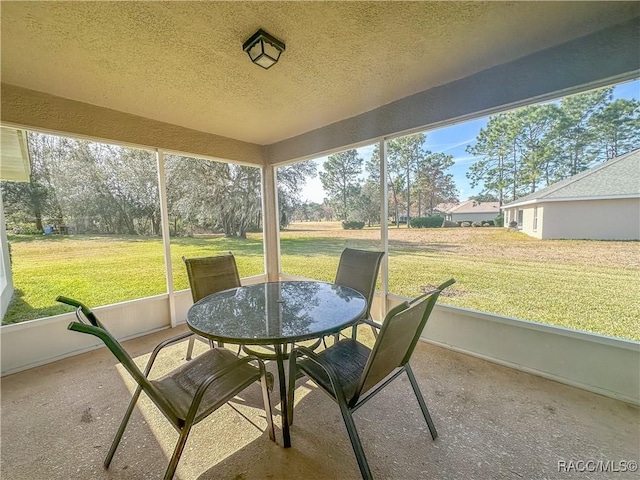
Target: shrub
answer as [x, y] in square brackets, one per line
[513, 224]
[488, 223]
[476, 224]
[353, 225]
[465, 224]
[499, 221]
[434, 221]
[24, 229]
[449, 223]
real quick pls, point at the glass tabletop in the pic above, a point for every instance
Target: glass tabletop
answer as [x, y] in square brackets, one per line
[276, 312]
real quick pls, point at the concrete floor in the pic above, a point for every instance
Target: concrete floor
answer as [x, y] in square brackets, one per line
[493, 422]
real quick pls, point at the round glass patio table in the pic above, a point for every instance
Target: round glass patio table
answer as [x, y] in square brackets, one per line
[277, 313]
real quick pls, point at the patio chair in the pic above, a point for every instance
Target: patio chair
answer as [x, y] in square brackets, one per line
[209, 275]
[351, 373]
[185, 395]
[358, 269]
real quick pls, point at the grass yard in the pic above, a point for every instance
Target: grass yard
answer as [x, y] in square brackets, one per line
[100, 270]
[580, 284]
[586, 285]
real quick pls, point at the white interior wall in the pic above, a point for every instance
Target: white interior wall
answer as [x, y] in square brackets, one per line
[604, 365]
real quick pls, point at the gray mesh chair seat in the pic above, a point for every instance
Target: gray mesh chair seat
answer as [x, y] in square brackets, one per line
[180, 386]
[348, 359]
[187, 394]
[351, 374]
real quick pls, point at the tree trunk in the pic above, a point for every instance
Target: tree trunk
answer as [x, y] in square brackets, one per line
[395, 201]
[408, 195]
[38, 220]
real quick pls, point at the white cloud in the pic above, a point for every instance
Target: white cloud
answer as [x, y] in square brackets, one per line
[445, 147]
[464, 160]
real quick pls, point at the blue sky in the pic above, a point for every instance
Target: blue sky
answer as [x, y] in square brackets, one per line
[452, 140]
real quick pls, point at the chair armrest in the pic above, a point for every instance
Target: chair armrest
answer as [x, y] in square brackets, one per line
[307, 352]
[86, 311]
[71, 302]
[371, 323]
[161, 345]
[172, 340]
[439, 288]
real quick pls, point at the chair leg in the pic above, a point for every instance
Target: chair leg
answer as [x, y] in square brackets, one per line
[355, 441]
[267, 405]
[177, 452]
[192, 340]
[423, 405]
[123, 425]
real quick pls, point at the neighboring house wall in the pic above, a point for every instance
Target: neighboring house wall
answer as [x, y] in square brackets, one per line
[615, 219]
[472, 217]
[612, 219]
[529, 224]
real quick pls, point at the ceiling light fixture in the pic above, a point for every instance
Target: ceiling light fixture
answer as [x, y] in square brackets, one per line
[263, 49]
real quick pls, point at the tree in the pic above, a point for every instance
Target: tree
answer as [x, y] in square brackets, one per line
[534, 142]
[403, 155]
[530, 148]
[432, 184]
[291, 179]
[340, 180]
[109, 189]
[496, 147]
[35, 200]
[308, 212]
[574, 136]
[368, 204]
[616, 127]
[394, 180]
[484, 198]
[207, 194]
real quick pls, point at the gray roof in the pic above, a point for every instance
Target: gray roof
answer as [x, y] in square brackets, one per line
[617, 177]
[473, 206]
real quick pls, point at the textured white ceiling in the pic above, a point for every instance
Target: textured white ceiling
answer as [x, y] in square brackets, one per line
[182, 62]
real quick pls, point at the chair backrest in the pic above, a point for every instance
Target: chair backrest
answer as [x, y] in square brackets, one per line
[97, 329]
[397, 339]
[209, 275]
[358, 269]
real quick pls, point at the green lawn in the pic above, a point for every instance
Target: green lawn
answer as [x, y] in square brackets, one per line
[101, 270]
[585, 285]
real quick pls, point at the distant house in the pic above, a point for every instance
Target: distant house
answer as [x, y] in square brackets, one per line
[443, 208]
[470, 211]
[602, 203]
